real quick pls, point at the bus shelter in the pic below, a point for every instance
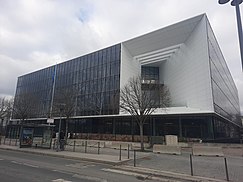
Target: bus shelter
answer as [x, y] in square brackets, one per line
[31, 135]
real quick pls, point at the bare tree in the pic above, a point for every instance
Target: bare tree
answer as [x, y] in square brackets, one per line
[24, 106]
[95, 104]
[114, 102]
[142, 99]
[5, 110]
[102, 104]
[65, 99]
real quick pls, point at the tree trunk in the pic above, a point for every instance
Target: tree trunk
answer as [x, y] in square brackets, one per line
[20, 133]
[141, 136]
[66, 131]
[1, 126]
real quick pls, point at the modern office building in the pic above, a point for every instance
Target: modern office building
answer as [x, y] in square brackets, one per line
[185, 57]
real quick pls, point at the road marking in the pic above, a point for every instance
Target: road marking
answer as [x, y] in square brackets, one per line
[30, 165]
[25, 164]
[143, 176]
[63, 172]
[90, 178]
[15, 162]
[60, 180]
[1, 159]
[80, 165]
[123, 172]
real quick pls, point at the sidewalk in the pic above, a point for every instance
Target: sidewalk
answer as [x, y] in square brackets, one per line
[145, 166]
[203, 166]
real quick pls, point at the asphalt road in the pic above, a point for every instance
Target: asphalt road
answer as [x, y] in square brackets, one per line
[25, 167]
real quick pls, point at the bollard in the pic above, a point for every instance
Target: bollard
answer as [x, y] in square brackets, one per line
[134, 158]
[57, 145]
[0, 139]
[36, 146]
[54, 145]
[4, 140]
[85, 146]
[191, 164]
[226, 169]
[98, 147]
[16, 141]
[128, 154]
[120, 154]
[10, 141]
[74, 143]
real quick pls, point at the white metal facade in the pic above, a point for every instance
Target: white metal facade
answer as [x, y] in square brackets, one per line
[181, 51]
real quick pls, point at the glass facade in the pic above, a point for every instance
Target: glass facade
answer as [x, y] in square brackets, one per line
[94, 77]
[225, 94]
[184, 126]
[223, 129]
[150, 74]
[39, 85]
[190, 126]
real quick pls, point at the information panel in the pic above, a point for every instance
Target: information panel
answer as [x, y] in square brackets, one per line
[27, 137]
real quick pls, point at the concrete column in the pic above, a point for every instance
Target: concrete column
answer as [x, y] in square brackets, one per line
[153, 125]
[114, 126]
[201, 130]
[180, 127]
[211, 128]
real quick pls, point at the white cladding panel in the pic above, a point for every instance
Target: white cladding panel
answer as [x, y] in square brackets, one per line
[187, 73]
[129, 67]
[166, 37]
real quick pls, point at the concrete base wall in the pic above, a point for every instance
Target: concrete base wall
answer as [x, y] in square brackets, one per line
[166, 149]
[207, 151]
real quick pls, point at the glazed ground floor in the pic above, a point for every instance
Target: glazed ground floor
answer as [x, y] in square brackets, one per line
[207, 127]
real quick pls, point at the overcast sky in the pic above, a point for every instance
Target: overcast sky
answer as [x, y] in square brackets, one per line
[35, 34]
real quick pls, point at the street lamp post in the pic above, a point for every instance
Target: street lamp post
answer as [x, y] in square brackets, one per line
[59, 127]
[236, 3]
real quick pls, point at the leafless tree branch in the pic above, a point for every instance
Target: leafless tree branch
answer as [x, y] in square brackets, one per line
[142, 99]
[65, 99]
[24, 106]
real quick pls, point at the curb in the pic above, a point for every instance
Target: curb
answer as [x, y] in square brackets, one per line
[114, 163]
[167, 174]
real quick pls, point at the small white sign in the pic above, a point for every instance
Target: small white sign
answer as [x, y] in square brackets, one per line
[50, 120]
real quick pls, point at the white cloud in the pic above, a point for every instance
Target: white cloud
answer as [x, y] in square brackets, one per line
[36, 34]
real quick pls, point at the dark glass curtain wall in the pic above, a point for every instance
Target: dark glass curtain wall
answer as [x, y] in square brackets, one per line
[94, 77]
